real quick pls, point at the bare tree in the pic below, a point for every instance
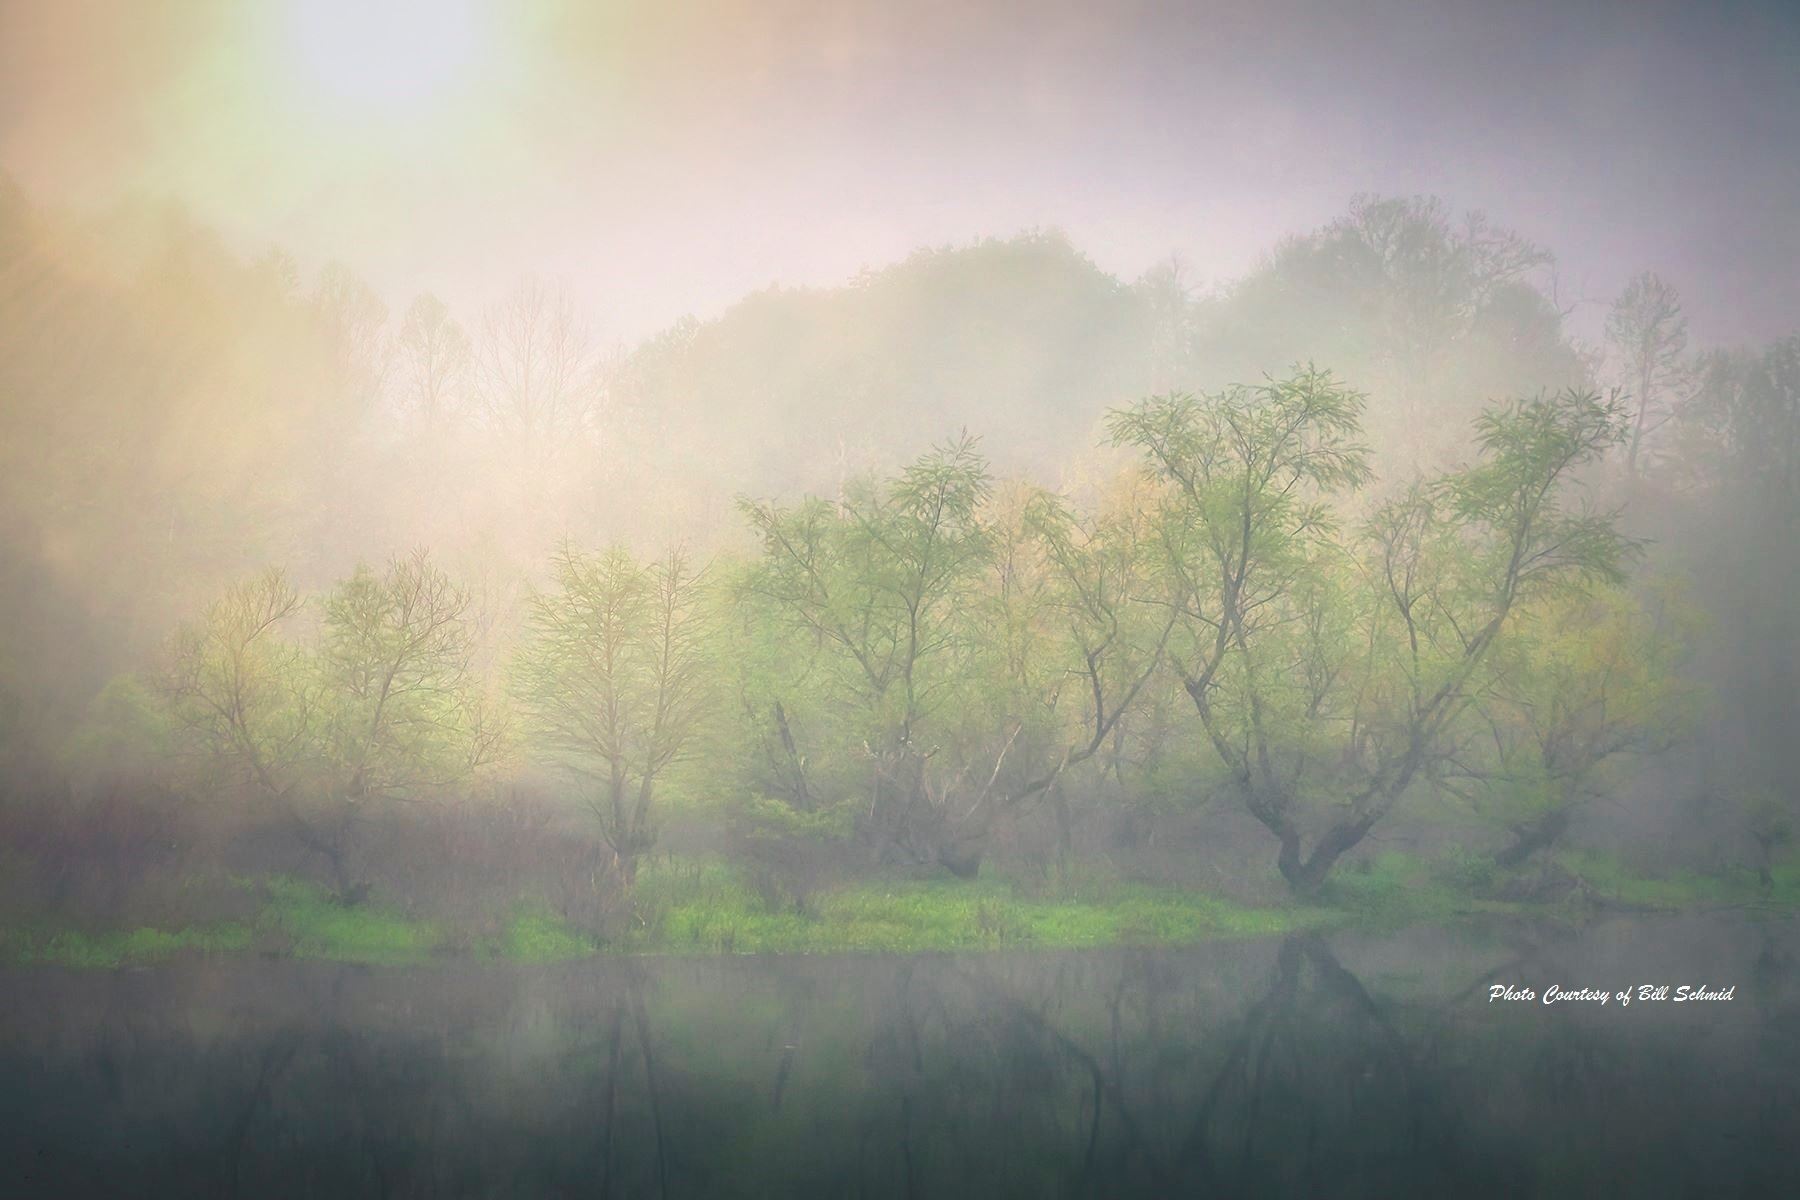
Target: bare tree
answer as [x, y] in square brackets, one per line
[1648, 334]
[1433, 284]
[1168, 298]
[352, 320]
[234, 686]
[537, 370]
[435, 358]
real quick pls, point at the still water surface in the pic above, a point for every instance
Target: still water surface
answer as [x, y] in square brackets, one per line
[1344, 1065]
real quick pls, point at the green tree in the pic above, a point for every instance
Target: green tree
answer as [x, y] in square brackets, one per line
[873, 585]
[381, 705]
[1582, 682]
[612, 679]
[1327, 672]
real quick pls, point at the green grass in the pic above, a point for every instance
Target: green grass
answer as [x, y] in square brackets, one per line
[120, 947]
[1398, 889]
[316, 926]
[1615, 880]
[705, 908]
[540, 937]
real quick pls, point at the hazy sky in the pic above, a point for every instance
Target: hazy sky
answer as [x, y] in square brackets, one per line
[669, 157]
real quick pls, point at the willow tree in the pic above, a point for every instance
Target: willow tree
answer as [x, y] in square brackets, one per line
[866, 592]
[381, 704]
[1077, 633]
[1583, 683]
[1328, 671]
[612, 682]
[955, 649]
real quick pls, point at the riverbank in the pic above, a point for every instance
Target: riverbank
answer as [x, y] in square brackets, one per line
[708, 907]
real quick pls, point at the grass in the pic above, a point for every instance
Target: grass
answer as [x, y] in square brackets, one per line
[118, 948]
[706, 907]
[316, 926]
[1615, 880]
[1399, 889]
[540, 937]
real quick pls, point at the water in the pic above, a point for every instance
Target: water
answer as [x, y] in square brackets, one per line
[1349, 1065]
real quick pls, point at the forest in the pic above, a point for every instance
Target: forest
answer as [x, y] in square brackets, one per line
[986, 599]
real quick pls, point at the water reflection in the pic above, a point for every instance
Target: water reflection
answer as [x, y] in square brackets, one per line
[1351, 1066]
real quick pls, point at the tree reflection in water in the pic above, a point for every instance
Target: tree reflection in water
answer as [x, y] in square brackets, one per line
[1368, 1067]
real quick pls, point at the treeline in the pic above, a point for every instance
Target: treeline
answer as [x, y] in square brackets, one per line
[175, 415]
[920, 656]
[899, 670]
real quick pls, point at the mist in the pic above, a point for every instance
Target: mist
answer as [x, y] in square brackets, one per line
[998, 531]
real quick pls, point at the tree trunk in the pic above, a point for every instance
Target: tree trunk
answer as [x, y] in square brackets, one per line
[1306, 875]
[960, 852]
[802, 794]
[626, 863]
[332, 843]
[1530, 838]
[1065, 833]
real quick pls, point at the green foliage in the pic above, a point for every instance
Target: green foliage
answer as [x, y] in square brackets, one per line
[382, 704]
[1329, 673]
[403, 711]
[1616, 880]
[947, 649]
[1580, 683]
[772, 819]
[708, 908]
[612, 680]
[318, 925]
[127, 727]
[865, 595]
[540, 937]
[110, 950]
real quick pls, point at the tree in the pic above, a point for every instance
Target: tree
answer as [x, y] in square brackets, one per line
[384, 705]
[1738, 452]
[351, 321]
[535, 370]
[1431, 314]
[969, 645]
[1647, 333]
[434, 360]
[872, 584]
[1582, 680]
[1456, 565]
[613, 682]
[1168, 302]
[1326, 673]
[1083, 647]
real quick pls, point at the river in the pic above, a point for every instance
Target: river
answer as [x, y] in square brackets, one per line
[1347, 1064]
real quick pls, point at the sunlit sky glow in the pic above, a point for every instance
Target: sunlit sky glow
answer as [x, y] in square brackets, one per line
[667, 158]
[385, 55]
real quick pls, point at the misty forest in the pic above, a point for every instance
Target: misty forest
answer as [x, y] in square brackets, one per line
[989, 723]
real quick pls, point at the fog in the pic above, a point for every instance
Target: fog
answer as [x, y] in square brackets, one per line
[485, 485]
[670, 160]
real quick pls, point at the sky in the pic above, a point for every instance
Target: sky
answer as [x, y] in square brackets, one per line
[667, 158]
